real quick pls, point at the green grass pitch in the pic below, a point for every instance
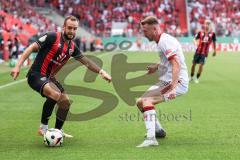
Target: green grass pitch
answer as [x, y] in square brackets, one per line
[206, 123]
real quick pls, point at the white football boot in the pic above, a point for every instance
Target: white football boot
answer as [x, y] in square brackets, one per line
[191, 79]
[66, 135]
[148, 142]
[42, 129]
[196, 80]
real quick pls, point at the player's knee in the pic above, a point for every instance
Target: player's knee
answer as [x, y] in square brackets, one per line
[51, 93]
[64, 102]
[139, 102]
[63, 97]
[142, 101]
[54, 95]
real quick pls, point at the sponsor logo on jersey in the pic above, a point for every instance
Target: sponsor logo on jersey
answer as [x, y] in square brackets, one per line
[70, 51]
[43, 78]
[43, 38]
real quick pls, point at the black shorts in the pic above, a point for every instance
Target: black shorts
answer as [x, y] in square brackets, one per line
[36, 81]
[199, 58]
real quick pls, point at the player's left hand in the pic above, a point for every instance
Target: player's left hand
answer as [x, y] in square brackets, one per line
[214, 54]
[105, 75]
[152, 68]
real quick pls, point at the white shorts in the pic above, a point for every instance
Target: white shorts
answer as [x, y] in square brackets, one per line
[180, 89]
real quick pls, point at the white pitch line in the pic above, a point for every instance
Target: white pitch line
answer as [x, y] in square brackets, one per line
[13, 83]
[22, 80]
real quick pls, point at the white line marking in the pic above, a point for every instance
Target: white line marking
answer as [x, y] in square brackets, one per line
[23, 80]
[12, 83]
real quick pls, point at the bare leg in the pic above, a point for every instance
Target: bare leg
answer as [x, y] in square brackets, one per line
[146, 105]
[50, 90]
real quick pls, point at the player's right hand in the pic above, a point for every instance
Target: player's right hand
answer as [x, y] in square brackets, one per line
[105, 75]
[15, 72]
[168, 88]
[152, 68]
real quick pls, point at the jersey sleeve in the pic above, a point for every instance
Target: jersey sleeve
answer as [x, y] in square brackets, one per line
[214, 39]
[46, 38]
[197, 36]
[77, 53]
[169, 50]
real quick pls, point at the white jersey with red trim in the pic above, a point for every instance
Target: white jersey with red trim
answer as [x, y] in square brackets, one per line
[169, 47]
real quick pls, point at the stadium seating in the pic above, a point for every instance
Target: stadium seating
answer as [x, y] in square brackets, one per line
[99, 15]
[21, 22]
[226, 19]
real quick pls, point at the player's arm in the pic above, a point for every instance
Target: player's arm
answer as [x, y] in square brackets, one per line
[16, 70]
[196, 39]
[152, 68]
[93, 67]
[175, 75]
[175, 71]
[195, 42]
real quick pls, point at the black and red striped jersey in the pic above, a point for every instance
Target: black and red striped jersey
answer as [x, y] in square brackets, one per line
[53, 53]
[205, 40]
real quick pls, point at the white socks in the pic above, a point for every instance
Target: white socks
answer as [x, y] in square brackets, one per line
[43, 126]
[150, 121]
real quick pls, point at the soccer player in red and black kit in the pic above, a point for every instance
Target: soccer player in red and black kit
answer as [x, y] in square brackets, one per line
[54, 50]
[203, 40]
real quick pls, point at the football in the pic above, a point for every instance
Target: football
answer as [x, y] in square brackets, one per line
[53, 137]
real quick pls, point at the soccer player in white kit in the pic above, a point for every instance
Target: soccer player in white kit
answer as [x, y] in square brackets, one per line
[173, 78]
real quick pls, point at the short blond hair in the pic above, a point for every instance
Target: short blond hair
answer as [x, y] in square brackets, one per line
[151, 20]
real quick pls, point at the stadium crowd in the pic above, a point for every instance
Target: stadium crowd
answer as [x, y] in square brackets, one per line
[27, 15]
[99, 15]
[225, 15]
[18, 22]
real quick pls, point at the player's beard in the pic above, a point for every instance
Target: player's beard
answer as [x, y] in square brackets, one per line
[206, 28]
[66, 36]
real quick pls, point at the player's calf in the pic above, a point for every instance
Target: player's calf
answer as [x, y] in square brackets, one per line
[62, 111]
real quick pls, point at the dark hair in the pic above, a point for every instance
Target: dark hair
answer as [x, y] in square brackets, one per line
[72, 18]
[149, 20]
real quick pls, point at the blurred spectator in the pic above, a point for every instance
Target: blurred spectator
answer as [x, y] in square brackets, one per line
[78, 42]
[9, 44]
[92, 44]
[139, 42]
[99, 44]
[27, 15]
[84, 44]
[22, 20]
[1, 47]
[15, 48]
